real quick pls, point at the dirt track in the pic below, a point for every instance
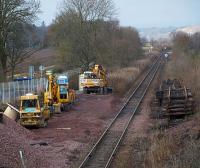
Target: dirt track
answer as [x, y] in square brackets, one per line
[69, 135]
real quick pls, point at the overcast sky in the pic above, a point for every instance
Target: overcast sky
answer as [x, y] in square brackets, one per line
[141, 13]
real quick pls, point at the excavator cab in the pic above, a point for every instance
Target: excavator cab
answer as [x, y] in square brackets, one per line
[58, 95]
[63, 92]
[89, 75]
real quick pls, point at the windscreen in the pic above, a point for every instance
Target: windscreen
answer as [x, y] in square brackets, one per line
[29, 104]
[90, 76]
[63, 92]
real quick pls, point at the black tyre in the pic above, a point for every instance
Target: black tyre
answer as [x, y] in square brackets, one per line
[62, 109]
[101, 90]
[109, 90]
[84, 91]
[88, 91]
[105, 90]
[67, 107]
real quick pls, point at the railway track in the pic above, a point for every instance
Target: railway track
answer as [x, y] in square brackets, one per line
[103, 151]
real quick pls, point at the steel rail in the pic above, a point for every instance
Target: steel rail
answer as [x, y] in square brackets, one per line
[133, 114]
[89, 155]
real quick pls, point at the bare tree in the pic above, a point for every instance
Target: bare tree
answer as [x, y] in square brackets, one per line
[90, 10]
[181, 42]
[17, 47]
[86, 32]
[11, 13]
[84, 17]
[16, 56]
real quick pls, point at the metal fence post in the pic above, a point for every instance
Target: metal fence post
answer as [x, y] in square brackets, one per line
[14, 89]
[9, 91]
[3, 94]
[37, 86]
[28, 86]
[18, 89]
[40, 83]
[24, 87]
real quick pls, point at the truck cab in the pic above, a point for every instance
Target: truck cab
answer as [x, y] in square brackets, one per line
[91, 82]
[94, 80]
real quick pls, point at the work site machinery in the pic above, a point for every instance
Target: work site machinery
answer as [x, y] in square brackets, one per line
[58, 96]
[31, 111]
[94, 81]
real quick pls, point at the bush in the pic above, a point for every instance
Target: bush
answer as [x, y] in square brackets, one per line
[122, 79]
[74, 82]
[186, 68]
[173, 151]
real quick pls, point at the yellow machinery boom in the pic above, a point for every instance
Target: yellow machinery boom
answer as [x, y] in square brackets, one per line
[58, 94]
[95, 80]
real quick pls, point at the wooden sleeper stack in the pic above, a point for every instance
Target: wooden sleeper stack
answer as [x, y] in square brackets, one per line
[175, 99]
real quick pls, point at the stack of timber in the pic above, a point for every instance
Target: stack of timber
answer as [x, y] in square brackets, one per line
[174, 99]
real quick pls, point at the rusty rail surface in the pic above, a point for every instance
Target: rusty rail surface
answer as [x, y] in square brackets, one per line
[103, 151]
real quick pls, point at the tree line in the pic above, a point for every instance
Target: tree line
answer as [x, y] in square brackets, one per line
[83, 32]
[186, 43]
[86, 31]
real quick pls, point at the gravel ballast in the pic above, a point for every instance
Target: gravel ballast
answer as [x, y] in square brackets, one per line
[13, 139]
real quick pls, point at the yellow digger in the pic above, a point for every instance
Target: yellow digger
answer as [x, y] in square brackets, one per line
[58, 94]
[31, 111]
[94, 81]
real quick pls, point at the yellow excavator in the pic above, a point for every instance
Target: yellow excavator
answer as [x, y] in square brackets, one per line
[31, 111]
[94, 81]
[58, 95]
[34, 111]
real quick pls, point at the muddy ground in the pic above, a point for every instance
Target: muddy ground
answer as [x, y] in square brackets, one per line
[69, 135]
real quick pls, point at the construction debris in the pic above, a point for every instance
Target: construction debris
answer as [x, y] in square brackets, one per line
[173, 100]
[11, 112]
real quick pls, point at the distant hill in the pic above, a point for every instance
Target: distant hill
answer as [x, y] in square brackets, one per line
[156, 33]
[190, 29]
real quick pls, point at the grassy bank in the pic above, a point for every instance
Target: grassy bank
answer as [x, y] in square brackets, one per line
[122, 79]
[178, 147]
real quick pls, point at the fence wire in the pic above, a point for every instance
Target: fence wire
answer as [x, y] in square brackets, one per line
[11, 91]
